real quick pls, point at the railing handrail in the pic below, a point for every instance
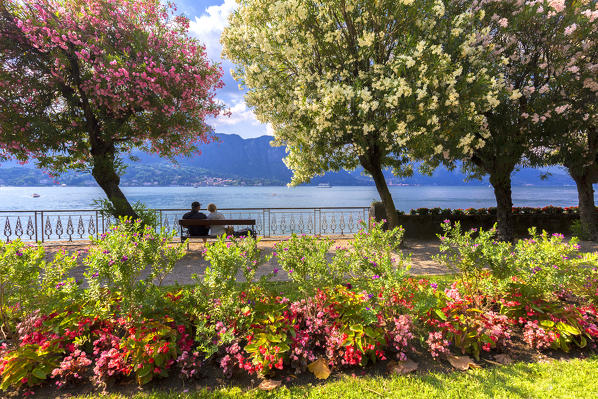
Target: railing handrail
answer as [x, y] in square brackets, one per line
[186, 209]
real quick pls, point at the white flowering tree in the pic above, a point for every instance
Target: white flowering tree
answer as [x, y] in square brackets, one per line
[355, 82]
[531, 48]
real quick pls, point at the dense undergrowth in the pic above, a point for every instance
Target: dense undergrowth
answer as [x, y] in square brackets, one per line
[350, 311]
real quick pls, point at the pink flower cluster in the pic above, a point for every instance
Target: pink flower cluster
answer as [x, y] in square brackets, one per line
[71, 367]
[537, 337]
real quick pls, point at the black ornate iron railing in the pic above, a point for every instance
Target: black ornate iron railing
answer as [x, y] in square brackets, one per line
[72, 225]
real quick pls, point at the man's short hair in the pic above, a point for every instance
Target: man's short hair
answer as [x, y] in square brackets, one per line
[195, 204]
[212, 208]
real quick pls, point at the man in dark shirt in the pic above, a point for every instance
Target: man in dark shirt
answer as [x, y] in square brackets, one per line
[196, 214]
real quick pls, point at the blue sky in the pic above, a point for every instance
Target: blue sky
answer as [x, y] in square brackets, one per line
[208, 19]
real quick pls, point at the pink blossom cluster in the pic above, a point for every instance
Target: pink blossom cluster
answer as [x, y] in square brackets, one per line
[71, 367]
[437, 344]
[537, 337]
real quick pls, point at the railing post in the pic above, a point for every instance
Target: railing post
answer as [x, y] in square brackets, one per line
[42, 221]
[97, 225]
[319, 212]
[35, 218]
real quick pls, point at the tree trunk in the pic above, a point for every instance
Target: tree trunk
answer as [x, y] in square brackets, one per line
[104, 172]
[392, 218]
[501, 182]
[587, 208]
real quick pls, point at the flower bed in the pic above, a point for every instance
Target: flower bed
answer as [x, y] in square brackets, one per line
[424, 223]
[353, 310]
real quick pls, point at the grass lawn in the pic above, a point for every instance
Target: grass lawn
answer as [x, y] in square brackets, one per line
[558, 379]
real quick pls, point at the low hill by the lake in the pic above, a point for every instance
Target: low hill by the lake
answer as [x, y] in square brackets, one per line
[233, 160]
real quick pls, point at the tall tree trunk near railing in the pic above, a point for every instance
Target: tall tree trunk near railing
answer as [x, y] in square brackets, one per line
[373, 166]
[587, 206]
[501, 182]
[105, 173]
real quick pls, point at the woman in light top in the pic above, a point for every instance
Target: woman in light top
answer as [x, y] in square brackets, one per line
[216, 230]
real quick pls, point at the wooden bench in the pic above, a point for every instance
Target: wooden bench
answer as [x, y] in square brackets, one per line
[184, 223]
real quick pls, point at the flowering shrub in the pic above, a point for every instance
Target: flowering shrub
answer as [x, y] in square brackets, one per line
[537, 267]
[547, 210]
[458, 321]
[587, 287]
[552, 324]
[151, 349]
[116, 261]
[374, 257]
[19, 274]
[303, 257]
[229, 259]
[545, 264]
[471, 256]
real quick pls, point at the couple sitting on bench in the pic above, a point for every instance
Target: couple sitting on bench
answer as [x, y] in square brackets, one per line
[211, 230]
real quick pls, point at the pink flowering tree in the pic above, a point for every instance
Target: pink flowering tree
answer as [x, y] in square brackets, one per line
[531, 49]
[570, 134]
[82, 83]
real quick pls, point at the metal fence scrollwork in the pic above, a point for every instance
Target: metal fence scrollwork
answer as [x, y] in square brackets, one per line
[73, 225]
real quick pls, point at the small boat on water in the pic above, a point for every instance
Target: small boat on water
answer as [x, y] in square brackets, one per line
[324, 185]
[35, 195]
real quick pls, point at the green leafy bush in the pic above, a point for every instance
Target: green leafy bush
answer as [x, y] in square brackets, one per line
[29, 365]
[469, 254]
[374, 258]
[579, 230]
[540, 265]
[118, 260]
[114, 209]
[229, 259]
[304, 258]
[545, 264]
[20, 265]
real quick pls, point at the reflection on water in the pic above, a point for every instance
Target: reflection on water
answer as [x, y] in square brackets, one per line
[406, 197]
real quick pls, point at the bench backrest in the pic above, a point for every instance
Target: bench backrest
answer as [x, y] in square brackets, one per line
[216, 222]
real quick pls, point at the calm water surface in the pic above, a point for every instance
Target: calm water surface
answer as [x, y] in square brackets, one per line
[406, 198]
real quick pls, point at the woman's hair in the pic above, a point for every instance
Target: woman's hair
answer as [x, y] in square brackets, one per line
[212, 208]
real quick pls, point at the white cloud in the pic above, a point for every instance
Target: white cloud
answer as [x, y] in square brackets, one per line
[242, 121]
[240, 113]
[209, 26]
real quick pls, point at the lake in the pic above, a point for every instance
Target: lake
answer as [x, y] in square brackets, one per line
[406, 197]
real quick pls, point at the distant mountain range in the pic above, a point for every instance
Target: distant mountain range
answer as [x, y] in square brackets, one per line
[237, 161]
